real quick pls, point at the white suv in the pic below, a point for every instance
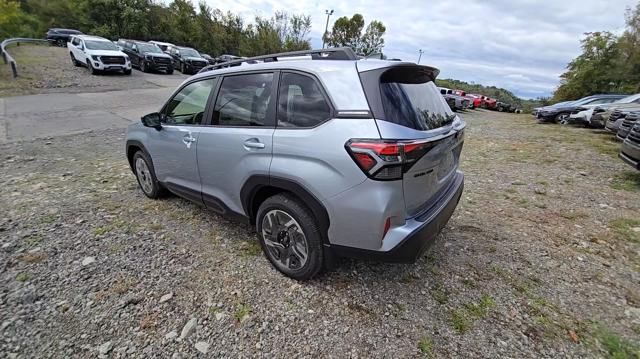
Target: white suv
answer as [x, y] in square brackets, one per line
[97, 54]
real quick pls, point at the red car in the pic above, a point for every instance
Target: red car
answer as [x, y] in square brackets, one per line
[490, 103]
[475, 101]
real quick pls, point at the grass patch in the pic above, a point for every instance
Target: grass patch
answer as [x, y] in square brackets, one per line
[626, 181]
[425, 345]
[439, 295]
[33, 240]
[250, 249]
[626, 228]
[242, 311]
[23, 277]
[480, 309]
[616, 347]
[460, 321]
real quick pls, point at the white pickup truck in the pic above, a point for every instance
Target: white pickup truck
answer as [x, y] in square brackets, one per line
[97, 54]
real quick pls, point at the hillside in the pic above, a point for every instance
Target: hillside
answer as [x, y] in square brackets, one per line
[492, 91]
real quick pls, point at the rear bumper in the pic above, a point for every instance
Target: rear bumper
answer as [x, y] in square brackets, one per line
[421, 231]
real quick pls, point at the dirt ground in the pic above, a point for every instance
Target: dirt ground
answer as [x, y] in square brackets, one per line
[47, 69]
[541, 259]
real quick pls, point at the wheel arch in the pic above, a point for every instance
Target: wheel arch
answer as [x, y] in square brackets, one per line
[132, 147]
[260, 187]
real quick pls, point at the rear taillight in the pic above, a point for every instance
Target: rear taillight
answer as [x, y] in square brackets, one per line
[387, 160]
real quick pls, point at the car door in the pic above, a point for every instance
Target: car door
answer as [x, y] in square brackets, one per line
[173, 147]
[75, 48]
[236, 143]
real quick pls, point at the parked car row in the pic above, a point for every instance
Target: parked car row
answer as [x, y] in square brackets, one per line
[102, 55]
[618, 114]
[460, 100]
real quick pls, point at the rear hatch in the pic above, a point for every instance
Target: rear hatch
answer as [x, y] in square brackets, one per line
[410, 110]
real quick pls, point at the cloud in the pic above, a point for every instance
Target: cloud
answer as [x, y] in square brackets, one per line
[522, 45]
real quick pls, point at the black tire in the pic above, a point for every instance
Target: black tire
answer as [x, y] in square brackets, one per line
[74, 61]
[143, 67]
[170, 72]
[127, 72]
[183, 68]
[298, 211]
[91, 68]
[560, 117]
[156, 190]
[61, 43]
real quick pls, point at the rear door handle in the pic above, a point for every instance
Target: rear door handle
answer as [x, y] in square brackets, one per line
[253, 143]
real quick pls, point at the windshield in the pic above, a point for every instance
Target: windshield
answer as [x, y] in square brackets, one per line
[562, 104]
[151, 48]
[411, 99]
[185, 51]
[100, 45]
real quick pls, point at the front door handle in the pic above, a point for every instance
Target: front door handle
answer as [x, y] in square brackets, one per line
[188, 140]
[253, 143]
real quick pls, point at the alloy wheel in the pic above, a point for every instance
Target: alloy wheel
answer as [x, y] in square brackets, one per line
[285, 241]
[144, 176]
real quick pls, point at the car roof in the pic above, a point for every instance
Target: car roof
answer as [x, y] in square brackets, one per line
[91, 37]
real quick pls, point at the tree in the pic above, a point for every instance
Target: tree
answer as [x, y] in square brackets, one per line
[348, 32]
[372, 41]
[14, 22]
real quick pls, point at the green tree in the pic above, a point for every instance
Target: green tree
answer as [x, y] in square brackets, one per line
[372, 41]
[14, 22]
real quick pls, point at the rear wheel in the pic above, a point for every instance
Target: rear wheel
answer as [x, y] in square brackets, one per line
[74, 61]
[290, 237]
[61, 43]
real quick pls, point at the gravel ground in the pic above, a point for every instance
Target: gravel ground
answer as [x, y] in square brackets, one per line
[47, 69]
[541, 259]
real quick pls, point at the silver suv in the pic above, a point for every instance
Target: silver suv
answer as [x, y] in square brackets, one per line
[326, 154]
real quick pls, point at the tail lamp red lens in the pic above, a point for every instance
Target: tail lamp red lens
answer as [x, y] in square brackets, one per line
[387, 160]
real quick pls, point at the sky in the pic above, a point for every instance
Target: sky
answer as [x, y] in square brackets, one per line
[521, 45]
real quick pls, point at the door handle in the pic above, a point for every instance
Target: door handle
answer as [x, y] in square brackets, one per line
[188, 139]
[253, 143]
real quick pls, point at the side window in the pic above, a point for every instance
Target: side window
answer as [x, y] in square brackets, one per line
[134, 47]
[76, 41]
[301, 103]
[243, 100]
[188, 105]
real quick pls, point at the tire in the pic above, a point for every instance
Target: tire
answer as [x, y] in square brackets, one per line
[561, 117]
[183, 68]
[146, 176]
[143, 67]
[127, 72]
[61, 43]
[91, 68]
[170, 72]
[74, 61]
[286, 208]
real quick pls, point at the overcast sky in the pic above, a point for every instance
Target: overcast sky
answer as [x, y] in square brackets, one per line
[521, 45]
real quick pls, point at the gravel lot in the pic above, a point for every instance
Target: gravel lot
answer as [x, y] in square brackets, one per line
[541, 259]
[48, 69]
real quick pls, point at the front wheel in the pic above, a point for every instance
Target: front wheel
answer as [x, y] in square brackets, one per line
[290, 237]
[562, 118]
[146, 176]
[127, 72]
[183, 68]
[143, 67]
[92, 69]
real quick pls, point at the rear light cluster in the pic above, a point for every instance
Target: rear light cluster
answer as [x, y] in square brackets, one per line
[387, 160]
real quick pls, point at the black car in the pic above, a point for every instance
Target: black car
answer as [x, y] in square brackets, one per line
[187, 60]
[559, 113]
[60, 37]
[147, 57]
[630, 151]
[210, 60]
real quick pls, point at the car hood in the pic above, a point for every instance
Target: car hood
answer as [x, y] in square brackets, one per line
[106, 52]
[157, 54]
[193, 58]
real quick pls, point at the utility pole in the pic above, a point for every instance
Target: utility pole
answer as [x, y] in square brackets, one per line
[326, 27]
[419, 55]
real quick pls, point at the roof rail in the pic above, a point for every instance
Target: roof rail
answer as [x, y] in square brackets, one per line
[336, 53]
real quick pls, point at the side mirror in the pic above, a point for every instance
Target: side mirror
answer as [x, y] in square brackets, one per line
[152, 120]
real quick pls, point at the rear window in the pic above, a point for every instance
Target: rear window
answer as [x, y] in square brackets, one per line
[411, 99]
